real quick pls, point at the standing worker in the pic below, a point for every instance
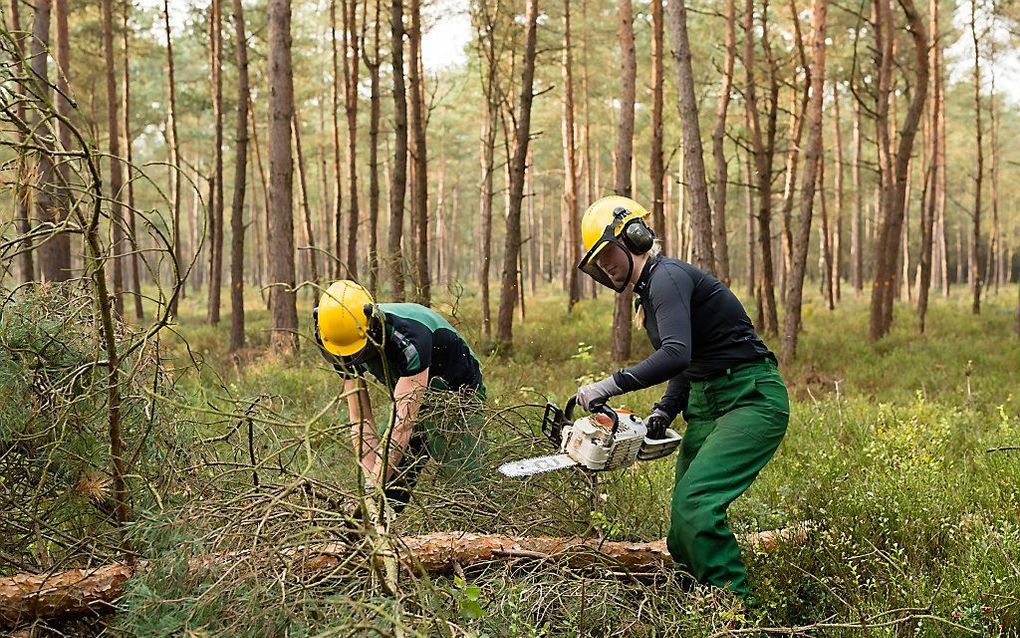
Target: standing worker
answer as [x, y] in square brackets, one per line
[718, 372]
[422, 360]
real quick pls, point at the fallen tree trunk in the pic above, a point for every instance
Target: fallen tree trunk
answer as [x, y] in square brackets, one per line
[79, 592]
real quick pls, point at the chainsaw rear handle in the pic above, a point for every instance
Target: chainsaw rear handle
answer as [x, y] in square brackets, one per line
[597, 408]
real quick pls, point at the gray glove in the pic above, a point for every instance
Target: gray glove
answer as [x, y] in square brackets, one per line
[656, 424]
[593, 394]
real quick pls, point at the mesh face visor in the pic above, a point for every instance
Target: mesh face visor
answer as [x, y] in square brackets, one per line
[590, 266]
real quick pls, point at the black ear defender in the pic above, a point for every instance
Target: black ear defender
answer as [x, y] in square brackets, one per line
[637, 236]
[375, 318]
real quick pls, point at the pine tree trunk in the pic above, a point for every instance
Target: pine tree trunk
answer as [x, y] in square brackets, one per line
[694, 169]
[419, 153]
[811, 178]
[749, 203]
[894, 167]
[993, 270]
[337, 216]
[398, 182]
[282, 297]
[975, 274]
[116, 174]
[313, 258]
[237, 226]
[136, 284]
[55, 253]
[837, 235]
[26, 265]
[351, 61]
[43, 196]
[216, 207]
[373, 155]
[857, 223]
[928, 211]
[486, 27]
[508, 290]
[572, 228]
[763, 155]
[175, 161]
[722, 253]
[265, 192]
[624, 152]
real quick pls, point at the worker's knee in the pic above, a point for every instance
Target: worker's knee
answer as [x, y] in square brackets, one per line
[690, 517]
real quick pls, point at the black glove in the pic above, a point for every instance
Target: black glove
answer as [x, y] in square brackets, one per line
[656, 424]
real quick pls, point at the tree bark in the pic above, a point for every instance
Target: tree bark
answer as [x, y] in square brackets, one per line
[237, 226]
[313, 259]
[55, 254]
[928, 212]
[26, 264]
[837, 235]
[136, 287]
[216, 206]
[116, 176]
[572, 230]
[486, 26]
[694, 168]
[512, 246]
[398, 183]
[419, 153]
[812, 159]
[175, 158]
[657, 168]
[798, 114]
[763, 155]
[995, 255]
[857, 223]
[337, 216]
[282, 297]
[622, 185]
[351, 62]
[373, 154]
[894, 168]
[976, 276]
[749, 203]
[722, 253]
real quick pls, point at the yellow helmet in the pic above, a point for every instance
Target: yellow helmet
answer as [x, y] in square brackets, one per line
[609, 220]
[601, 214]
[342, 323]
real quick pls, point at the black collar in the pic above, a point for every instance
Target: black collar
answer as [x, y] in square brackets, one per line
[646, 274]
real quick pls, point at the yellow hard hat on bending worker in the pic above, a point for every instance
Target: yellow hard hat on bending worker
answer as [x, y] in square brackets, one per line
[342, 322]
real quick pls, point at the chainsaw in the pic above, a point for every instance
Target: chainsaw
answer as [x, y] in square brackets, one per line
[607, 439]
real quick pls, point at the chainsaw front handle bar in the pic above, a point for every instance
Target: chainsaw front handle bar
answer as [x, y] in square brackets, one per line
[597, 408]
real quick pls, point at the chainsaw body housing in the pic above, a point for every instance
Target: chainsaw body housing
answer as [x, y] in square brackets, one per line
[590, 442]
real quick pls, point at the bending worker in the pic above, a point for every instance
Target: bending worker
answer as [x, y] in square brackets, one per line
[410, 349]
[718, 372]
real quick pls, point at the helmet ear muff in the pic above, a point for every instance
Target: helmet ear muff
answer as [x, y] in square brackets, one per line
[637, 236]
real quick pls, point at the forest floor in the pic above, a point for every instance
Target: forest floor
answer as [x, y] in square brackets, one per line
[894, 451]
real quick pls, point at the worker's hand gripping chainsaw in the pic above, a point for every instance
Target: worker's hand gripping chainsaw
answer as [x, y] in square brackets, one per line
[607, 439]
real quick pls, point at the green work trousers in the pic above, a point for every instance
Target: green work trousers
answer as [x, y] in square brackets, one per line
[735, 422]
[448, 430]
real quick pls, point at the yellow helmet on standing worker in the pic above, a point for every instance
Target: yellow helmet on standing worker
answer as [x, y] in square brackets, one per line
[614, 220]
[601, 214]
[341, 318]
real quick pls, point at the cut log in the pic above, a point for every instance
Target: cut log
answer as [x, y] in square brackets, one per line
[80, 592]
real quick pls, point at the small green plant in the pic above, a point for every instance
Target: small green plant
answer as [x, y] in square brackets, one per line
[468, 596]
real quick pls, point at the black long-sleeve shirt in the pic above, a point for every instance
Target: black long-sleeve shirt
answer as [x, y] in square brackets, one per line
[697, 326]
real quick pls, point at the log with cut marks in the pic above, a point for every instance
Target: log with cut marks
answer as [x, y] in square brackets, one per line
[78, 592]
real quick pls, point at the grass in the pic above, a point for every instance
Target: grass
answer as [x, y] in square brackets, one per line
[887, 452]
